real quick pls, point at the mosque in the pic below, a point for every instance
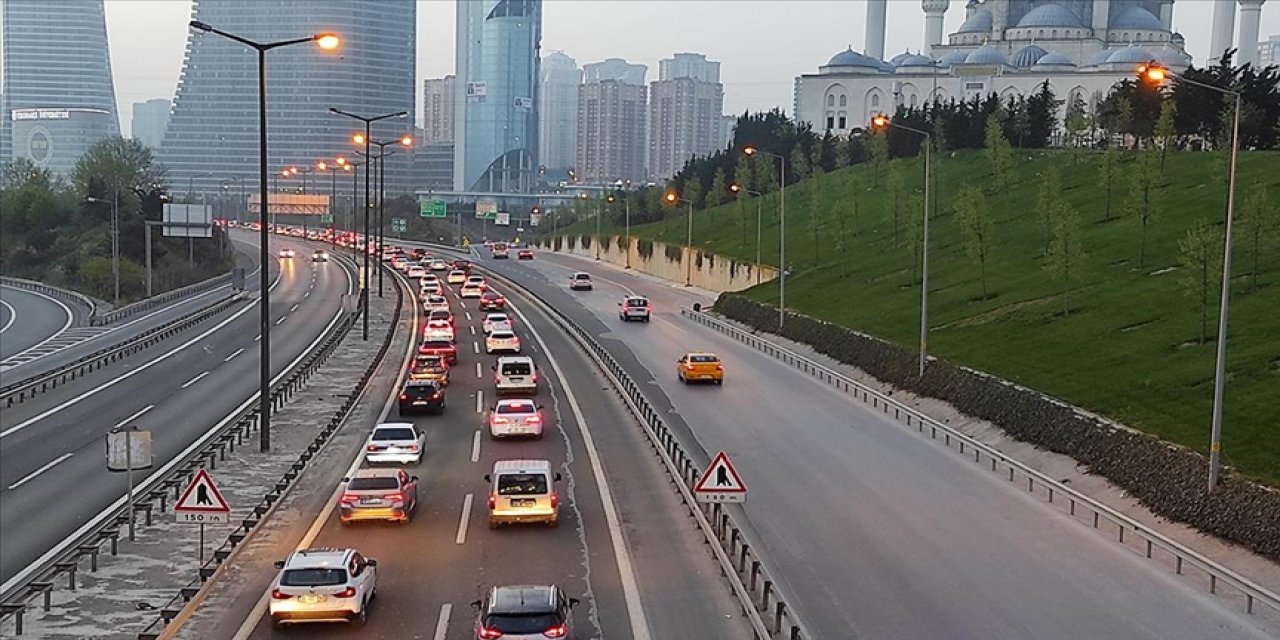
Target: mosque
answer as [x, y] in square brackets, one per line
[1007, 47]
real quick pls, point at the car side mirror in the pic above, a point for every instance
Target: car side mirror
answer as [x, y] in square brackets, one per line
[487, 478]
[493, 367]
[371, 562]
[539, 406]
[476, 604]
[279, 564]
[413, 478]
[557, 477]
[346, 479]
[573, 602]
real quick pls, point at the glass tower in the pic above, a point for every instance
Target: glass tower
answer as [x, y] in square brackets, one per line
[58, 97]
[213, 131]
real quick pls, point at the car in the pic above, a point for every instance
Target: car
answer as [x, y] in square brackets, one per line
[422, 395]
[430, 289]
[319, 255]
[524, 254]
[471, 290]
[499, 251]
[399, 263]
[700, 366]
[522, 612]
[432, 367]
[444, 348]
[484, 285]
[462, 265]
[379, 494]
[444, 314]
[515, 417]
[502, 341]
[439, 265]
[437, 330]
[634, 308]
[286, 253]
[580, 281]
[492, 300]
[435, 302]
[416, 271]
[494, 321]
[523, 491]
[515, 374]
[457, 276]
[323, 585]
[398, 442]
[429, 278]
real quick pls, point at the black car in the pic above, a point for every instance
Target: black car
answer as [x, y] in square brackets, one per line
[422, 396]
[462, 265]
[492, 301]
[525, 611]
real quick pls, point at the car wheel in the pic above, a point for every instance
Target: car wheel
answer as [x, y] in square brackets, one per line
[720, 382]
[276, 623]
[360, 618]
[646, 318]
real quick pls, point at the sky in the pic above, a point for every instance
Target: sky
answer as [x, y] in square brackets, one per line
[761, 44]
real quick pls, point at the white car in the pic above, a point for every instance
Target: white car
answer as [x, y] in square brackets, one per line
[439, 265]
[323, 585]
[429, 278]
[478, 280]
[396, 442]
[515, 374]
[416, 271]
[437, 330]
[502, 341]
[431, 289]
[471, 290]
[495, 321]
[634, 308]
[457, 276]
[515, 418]
[400, 263]
[286, 253]
[580, 281]
[435, 303]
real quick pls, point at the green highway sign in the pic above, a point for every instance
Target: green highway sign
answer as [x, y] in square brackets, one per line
[326, 218]
[433, 209]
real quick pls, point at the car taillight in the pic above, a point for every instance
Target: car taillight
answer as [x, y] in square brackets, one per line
[533, 378]
[413, 447]
[277, 594]
[689, 366]
[374, 447]
[394, 497]
[489, 633]
[349, 592]
[404, 396]
[497, 379]
[534, 420]
[493, 501]
[558, 631]
[555, 500]
[719, 367]
[348, 498]
[434, 396]
[500, 420]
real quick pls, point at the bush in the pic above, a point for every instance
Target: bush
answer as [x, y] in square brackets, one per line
[697, 259]
[644, 247]
[675, 253]
[558, 243]
[585, 241]
[572, 241]
[606, 242]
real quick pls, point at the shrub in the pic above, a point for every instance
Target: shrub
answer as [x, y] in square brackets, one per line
[674, 253]
[558, 243]
[606, 242]
[644, 247]
[585, 241]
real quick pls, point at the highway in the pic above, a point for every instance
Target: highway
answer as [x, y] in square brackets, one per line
[28, 318]
[53, 478]
[873, 532]
[637, 569]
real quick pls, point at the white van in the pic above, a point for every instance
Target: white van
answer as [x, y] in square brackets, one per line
[515, 374]
[523, 491]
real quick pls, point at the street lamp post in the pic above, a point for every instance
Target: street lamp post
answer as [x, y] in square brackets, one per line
[736, 188]
[382, 145]
[782, 233]
[191, 199]
[333, 170]
[1156, 73]
[115, 240]
[365, 140]
[626, 207]
[324, 41]
[672, 198]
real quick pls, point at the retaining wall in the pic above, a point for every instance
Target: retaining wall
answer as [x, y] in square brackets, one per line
[666, 261]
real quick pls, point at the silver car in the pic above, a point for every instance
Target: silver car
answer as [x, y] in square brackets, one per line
[397, 442]
[379, 494]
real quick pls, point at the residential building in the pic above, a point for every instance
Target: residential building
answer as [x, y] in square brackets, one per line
[1269, 51]
[611, 132]
[59, 98]
[614, 69]
[686, 105]
[689, 65]
[149, 121]
[213, 131]
[558, 114]
[728, 124]
[439, 98]
[495, 117]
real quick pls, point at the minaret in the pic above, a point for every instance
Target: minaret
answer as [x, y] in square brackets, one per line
[1101, 18]
[1224, 24]
[934, 11]
[1166, 14]
[1250, 16]
[877, 10]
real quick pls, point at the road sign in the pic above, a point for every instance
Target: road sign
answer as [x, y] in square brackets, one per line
[433, 209]
[502, 219]
[326, 218]
[188, 221]
[202, 503]
[720, 482]
[399, 225]
[486, 209]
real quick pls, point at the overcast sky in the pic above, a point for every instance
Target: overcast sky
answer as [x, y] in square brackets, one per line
[761, 44]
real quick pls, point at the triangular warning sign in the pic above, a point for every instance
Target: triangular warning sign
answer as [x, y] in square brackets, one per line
[720, 477]
[202, 496]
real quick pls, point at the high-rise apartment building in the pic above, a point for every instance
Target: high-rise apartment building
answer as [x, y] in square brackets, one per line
[686, 105]
[611, 132]
[59, 98]
[439, 96]
[1269, 51]
[149, 121]
[213, 130]
[495, 120]
[614, 69]
[558, 113]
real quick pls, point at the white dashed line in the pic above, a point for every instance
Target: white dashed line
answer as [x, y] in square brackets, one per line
[473, 329]
[233, 354]
[468, 315]
[480, 402]
[475, 447]
[307, 294]
[462, 523]
[293, 308]
[257, 337]
[442, 624]
[282, 319]
[135, 416]
[32, 476]
[195, 380]
[475, 346]
[479, 374]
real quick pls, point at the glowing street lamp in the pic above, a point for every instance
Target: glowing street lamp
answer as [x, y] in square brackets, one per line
[782, 232]
[672, 198]
[737, 188]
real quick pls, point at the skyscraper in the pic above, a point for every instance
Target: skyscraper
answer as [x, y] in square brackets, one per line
[58, 93]
[496, 121]
[213, 131]
[614, 69]
[558, 113]
[611, 132]
[438, 99]
[685, 108]
[149, 121]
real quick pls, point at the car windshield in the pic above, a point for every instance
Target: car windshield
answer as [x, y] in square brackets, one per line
[437, 344]
[704, 359]
[381, 483]
[394, 433]
[503, 335]
[496, 317]
[522, 484]
[516, 407]
[581, 276]
[637, 302]
[313, 577]
[516, 369]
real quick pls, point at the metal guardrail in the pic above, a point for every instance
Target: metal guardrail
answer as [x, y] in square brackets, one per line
[756, 590]
[14, 602]
[126, 311]
[1052, 489]
[24, 389]
[33, 285]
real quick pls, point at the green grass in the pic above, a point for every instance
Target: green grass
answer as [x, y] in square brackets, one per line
[1129, 347]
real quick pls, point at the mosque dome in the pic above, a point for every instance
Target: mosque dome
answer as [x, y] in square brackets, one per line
[1027, 56]
[1098, 58]
[897, 60]
[979, 22]
[1136, 18]
[1054, 60]
[955, 57]
[1050, 15]
[986, 54]
[850, 58]
[1132, 54]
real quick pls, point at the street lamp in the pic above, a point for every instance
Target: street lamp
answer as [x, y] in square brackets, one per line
[191, 199]
[405, 141]
[364, 139]
[782, 233]
[1155, 73]
[672, 198]
[626, 203]
[324, 41]
[880, 122]
[736, 188]
[115, 240]
[333, 170]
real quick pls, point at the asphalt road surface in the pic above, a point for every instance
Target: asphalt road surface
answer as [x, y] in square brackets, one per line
[28, 318]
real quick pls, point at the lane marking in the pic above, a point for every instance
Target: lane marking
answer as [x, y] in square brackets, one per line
[475, 447]
[475, 346]
[65, 325]
[257, 338]
[233, 354]
[195, 380]
[32, 476]
[307, 293]
[480, 401]
[442, 623]
[13, 315]
[282, 318]
[293, 308]
[473, 329]
[468, 314]
[462, 523]
[135, 416]
[478, 373]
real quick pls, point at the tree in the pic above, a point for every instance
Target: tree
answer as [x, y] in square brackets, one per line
[1065, 252]
[719, 193]
[878, 149]
[798, 163]
[1076, 122]
[1049, 197]
[997, 146]
[894, 193]
[693, 193]
[1146, 184]
[975, 229]
[1107, 176]
[116, 165]
[1165, 131]
[843, 156]
[1201, 261]
[1257, 227]
[915, 233]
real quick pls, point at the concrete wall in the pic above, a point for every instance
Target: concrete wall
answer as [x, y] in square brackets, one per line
[669, 262]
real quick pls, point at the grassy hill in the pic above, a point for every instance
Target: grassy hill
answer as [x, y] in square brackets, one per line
[1128, 348]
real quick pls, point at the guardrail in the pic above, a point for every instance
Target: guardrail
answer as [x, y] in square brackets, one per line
[33, 285]
[24, 389]
[14, 602]
[1036, 482]
[126, 311]
[753, 585]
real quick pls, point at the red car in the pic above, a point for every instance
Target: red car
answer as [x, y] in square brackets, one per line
[442, 348]
[492, 301]
[524, 254]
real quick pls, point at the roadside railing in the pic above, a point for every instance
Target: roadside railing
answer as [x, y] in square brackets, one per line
[1036, 482]
[33, 285]
[130, 310]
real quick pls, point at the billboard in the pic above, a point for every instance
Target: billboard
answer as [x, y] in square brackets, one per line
[188, 221]
[292, 204]
[486, 209]
[502, 219]
[535, 218]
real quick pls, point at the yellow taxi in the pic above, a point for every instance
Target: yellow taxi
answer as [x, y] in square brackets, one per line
[699, 366]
